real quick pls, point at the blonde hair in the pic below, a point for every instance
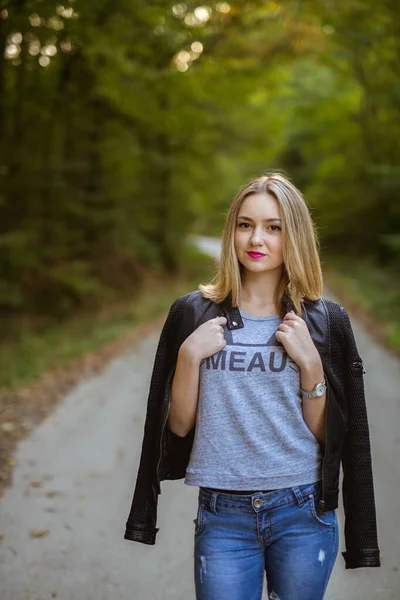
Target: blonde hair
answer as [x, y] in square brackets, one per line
[301, 275]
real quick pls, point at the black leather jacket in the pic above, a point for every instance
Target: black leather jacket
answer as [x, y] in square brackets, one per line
[165, 455]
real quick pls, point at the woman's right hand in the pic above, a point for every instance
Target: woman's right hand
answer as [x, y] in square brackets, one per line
[206, 340]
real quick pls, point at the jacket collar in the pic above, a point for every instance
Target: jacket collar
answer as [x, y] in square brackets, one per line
[232, 313]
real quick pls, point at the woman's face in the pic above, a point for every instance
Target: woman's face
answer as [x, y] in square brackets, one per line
[259, 229]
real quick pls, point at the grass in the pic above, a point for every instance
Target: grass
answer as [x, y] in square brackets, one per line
[32, 353]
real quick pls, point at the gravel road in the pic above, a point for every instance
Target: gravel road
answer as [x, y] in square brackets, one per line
[62, 521]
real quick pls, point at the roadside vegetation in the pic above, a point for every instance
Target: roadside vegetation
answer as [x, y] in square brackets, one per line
[371, 293]
[40, 347]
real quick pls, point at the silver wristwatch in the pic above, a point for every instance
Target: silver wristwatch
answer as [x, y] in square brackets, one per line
[318, 391]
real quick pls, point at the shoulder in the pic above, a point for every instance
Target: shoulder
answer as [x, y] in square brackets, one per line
[324, 302]
[188, 307]
[335, 312]
[181, 301]
[332, 305]
[338, 316]
[341, 329]
[330, 316]
[324, 308]
[192, 309]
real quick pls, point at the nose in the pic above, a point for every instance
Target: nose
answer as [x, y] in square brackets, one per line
[256, 237]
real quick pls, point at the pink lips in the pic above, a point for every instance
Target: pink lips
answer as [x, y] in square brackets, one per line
[256, 254]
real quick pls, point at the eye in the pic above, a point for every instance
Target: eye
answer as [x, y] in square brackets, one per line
[245, 225]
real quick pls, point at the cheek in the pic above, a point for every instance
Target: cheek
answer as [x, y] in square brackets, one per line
[277, 246]
[236, 241]
[278, 242]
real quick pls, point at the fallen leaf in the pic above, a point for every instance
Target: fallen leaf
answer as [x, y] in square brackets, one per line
[52, 494]
[39, 532]
[37, 483]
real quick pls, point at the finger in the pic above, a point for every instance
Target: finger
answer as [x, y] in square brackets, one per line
[219, 320]
[292, 320]
[291, 316]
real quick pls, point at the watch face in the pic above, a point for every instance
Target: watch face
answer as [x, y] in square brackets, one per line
[320, 389]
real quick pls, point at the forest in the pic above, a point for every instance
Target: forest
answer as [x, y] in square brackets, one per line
[127, 125]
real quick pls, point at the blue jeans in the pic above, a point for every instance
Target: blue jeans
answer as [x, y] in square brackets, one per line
[238, 536]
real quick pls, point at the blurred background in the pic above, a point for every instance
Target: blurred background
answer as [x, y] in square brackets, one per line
[127, 127]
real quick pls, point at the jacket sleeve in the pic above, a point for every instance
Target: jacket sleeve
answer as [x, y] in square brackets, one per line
[141, 523]
[358, 489]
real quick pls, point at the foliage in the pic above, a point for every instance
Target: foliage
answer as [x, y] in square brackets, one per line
[35, 350]
[127, 125]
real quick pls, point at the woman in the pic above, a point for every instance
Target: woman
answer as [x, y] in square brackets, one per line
[256, 396]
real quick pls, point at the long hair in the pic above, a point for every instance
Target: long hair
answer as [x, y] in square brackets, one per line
[301, 276]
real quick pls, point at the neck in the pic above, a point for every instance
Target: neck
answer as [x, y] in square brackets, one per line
[258, 292]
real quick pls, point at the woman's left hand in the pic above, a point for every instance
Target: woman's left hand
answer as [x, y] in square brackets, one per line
[294, 335]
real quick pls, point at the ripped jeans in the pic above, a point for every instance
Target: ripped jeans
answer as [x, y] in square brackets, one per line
[237, 537]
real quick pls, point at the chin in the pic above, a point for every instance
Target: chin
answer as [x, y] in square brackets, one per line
[257, 268]
[254, 267]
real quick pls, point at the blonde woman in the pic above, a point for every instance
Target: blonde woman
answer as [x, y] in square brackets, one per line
[256, 398]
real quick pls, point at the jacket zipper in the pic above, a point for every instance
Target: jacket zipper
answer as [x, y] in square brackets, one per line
[321, 503]
[360, 365]
[163, 427]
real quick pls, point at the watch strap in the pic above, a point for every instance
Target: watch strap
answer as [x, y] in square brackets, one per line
[313, 393]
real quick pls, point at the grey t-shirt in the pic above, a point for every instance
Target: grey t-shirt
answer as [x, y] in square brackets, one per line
[250, 431]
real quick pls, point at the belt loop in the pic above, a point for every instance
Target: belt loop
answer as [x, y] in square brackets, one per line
[213, 502]
[298, 495]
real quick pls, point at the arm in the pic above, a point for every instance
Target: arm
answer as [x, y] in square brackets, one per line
[184, 393]
[314, 409]
[295, 337]
[358, 490]
[204, 341]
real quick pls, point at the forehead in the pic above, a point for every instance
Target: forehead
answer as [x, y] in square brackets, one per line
[260, 205]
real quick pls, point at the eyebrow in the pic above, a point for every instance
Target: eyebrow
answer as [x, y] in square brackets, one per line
[250, 219]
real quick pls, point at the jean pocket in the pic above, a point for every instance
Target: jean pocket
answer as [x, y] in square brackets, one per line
[326, 519]
[198, 521]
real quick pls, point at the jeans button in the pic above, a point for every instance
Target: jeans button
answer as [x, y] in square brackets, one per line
[257, 503]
